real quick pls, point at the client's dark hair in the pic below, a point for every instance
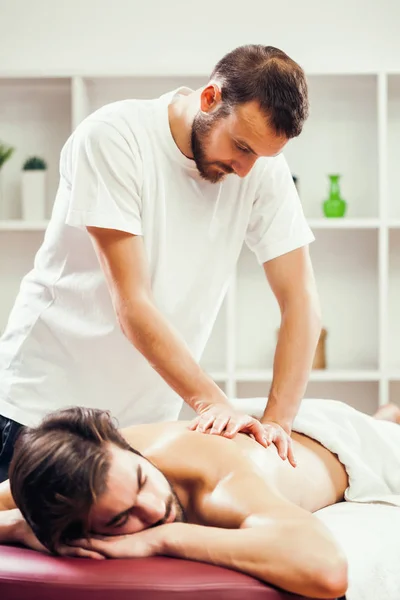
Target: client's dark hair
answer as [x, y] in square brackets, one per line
[270, 77]
[58, 470]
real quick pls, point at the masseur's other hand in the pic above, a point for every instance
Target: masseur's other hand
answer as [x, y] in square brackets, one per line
[275, 434]
[222, 419]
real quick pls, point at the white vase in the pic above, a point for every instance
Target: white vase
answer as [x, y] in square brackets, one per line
[34, 195]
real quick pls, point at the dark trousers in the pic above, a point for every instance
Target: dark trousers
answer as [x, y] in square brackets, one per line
[9, 430]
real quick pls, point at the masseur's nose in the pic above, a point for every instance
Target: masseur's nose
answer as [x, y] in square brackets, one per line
[149, 508]
[244, 166]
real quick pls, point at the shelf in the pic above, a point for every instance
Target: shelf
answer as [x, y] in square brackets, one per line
[20, 225]
[344, 223]
[35, 119]
[219, 376]
[355, 265]
[329, 375]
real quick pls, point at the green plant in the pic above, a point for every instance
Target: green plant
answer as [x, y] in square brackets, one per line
[34, 163]
[5, 153]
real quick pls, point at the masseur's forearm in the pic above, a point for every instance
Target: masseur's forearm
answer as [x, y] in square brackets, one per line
[297, 555]
[149, 331]
[298, 338]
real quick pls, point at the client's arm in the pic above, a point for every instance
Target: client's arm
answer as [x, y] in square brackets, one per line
[294, 553]
[12, 523]
[15, 530]
[277, 541]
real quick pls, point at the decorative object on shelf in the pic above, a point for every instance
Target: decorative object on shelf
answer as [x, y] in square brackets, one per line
[335, 205]
[5, 154]
[34, 173]
[319, 361]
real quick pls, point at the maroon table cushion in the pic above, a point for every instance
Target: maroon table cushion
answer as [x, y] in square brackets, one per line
[29, 575]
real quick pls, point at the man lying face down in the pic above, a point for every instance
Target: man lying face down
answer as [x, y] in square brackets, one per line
[87, 489]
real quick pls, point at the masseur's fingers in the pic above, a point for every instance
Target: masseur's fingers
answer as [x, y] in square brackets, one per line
[281, 445]
[290, 454]
[259, 433]
[193, 424]
[247, 425]
[202, 422]
[219, 424]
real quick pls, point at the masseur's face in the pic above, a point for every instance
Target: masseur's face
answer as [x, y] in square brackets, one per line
[137, 497]
[226, 142]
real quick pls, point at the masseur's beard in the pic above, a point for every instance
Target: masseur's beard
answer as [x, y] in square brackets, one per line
[201, 130]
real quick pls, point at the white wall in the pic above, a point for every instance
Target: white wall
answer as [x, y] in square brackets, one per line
[187, 37]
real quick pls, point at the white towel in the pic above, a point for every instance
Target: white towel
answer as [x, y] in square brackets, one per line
[368, 448]
[367, 526]
[370, 537]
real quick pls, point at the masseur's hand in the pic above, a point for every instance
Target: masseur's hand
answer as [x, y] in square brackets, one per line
[275, 434]
[222, 419]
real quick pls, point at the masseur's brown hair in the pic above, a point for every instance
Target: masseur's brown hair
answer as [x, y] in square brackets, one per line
[270, 77]
[59, 469]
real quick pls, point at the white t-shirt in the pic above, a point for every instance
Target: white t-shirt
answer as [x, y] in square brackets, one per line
[121, 169]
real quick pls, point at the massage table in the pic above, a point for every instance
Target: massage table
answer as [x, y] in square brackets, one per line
[368, 533]
[30, 575]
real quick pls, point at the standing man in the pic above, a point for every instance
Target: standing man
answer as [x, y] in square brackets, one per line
[155, 200]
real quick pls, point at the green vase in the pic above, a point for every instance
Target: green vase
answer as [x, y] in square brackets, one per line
[334, 206]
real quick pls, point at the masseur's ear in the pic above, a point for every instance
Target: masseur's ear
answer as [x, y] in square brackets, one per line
[210, 97]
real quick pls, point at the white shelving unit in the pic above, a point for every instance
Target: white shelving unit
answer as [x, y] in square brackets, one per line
[353, 129]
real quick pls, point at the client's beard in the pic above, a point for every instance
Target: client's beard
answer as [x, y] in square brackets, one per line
[173, 500]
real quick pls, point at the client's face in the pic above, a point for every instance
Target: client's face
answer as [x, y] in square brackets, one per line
[137, 497]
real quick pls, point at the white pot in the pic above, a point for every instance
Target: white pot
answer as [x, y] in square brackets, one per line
[34, 195]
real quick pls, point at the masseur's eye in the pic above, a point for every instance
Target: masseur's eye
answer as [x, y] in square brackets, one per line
[242, 149]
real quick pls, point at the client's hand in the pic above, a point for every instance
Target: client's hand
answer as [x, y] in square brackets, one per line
[222, 419]
[143, 544]
[24, 535]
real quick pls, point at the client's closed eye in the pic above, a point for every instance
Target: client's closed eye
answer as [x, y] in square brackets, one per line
[124, 517]
[121, 522]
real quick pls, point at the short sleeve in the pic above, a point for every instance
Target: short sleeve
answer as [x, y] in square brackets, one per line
[104, 176]
[277, 223]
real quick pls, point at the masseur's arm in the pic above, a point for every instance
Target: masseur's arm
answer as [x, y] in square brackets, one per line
[292, 281]
[123, 260]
